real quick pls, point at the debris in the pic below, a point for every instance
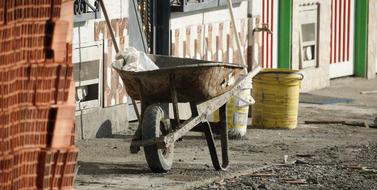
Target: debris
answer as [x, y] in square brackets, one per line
[301, 162]
[305, 155]
[285, 159]
[355, 167]
[283, 165]
[369, 171]
[221, 182]
[263, 175]
[262, 186]
[312, 180]
[286, 162]
[369, 92]
[296, 181]
[342, 122]
[213, 186]
[324, 122]
[251, 184]
[360, 124]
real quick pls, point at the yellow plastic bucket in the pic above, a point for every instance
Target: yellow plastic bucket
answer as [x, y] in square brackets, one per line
[276, 93]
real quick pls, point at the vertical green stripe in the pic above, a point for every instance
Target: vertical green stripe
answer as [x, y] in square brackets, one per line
[285, 34]
[361, 37]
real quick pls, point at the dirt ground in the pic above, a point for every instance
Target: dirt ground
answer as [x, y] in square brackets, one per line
[309, 157]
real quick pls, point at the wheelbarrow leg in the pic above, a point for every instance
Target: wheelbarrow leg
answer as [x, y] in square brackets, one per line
[174, 99]
[134, 147]
[224, 142]
[224, 136]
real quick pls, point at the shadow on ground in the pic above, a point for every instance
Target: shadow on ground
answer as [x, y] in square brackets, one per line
[95, 168]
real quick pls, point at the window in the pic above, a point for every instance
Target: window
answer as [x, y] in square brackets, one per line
[87, 74]
[309, 35]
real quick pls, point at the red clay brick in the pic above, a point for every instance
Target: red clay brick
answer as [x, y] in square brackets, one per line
[45, 164]
[61, 125]
[59, 40]
[57, 171]
[2, 8]
[69, 168]
[29, 84]
[6, 167]
[9, 15]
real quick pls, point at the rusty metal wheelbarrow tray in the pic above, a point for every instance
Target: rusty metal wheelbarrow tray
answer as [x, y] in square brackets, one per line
[195, 80]
[207, 86]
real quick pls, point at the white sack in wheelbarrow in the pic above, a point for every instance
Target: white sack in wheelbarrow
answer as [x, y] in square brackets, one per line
[136, 61]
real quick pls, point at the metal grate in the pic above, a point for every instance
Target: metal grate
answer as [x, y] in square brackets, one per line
[84, 11]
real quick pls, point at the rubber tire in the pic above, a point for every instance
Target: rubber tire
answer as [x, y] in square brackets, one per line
[152, 119]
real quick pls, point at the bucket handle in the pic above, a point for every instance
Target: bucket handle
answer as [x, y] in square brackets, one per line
[282, 72]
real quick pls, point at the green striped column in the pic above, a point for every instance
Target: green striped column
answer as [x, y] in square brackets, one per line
[361, 37]
[285, 34]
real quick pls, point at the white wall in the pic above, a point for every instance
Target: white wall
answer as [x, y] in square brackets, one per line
[255, 8]
[181, 20]
[372, 40]
[115, 9]
[315, 78]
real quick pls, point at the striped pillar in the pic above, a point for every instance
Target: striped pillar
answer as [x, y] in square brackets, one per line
[341, 31]
[268, 40]
[342, 44]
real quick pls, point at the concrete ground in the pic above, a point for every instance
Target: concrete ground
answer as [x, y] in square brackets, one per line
[317, 156]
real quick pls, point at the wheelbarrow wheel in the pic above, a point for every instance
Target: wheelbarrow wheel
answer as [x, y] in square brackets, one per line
[155, 124]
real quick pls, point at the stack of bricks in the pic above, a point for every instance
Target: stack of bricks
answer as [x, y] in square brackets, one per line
[36, 95]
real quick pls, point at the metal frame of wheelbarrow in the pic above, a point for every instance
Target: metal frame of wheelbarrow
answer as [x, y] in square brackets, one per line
[197, 122]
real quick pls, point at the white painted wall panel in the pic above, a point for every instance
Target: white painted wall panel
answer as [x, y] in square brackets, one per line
[221, 15]
[115, 9]
[182, 20]
[255, 8]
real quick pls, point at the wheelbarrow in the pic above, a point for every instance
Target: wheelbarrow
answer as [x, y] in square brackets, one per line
[206, 86]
